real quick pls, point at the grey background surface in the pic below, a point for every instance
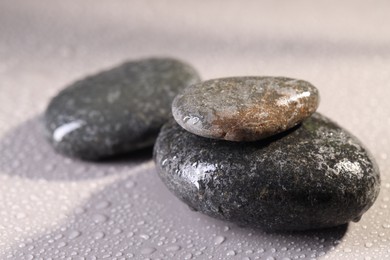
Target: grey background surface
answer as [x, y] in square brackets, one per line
[55, 207]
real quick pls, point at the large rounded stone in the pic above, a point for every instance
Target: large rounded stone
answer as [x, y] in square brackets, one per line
[244, 108]
[118, 110]
[316, 175]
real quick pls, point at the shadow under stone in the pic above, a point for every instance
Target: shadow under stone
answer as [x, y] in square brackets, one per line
[140, 218]
[27, 154]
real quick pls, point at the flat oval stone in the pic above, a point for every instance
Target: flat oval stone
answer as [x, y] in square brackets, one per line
[118, 110]
[315, 175]
[244, 108]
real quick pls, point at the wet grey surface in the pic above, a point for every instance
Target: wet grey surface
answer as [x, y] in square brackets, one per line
[53, 206]
[132, 216]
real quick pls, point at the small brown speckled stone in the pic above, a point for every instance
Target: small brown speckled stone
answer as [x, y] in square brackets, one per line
[244, 108]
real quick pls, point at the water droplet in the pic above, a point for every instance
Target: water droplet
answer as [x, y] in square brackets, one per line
[198, 253]
[99, 235]
[130, 184]
[58, 236]
[231, 253]
[79, 210]
[219, 240]
[102, 205]
[144, 236]
[188, 256]
[148, 250]
[61, 244]
[195, 120]
[368, 244]
[117, 231]
[74, 234]
[20, 215]
[99, 218]
[173, 248]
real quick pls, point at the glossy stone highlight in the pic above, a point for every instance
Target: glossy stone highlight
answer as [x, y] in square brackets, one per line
[244, 108]
[315, 175]
[118, 110]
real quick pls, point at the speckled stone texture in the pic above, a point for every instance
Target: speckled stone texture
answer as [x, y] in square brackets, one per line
[244, 108]
[315, 175]
[118, 110]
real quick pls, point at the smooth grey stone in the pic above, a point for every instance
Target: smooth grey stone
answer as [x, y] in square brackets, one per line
[244, 108]
[118, 110]
[315, 175]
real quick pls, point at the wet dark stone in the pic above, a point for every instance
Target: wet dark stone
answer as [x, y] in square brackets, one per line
[244, 108]
[118, 110]
[315, 175]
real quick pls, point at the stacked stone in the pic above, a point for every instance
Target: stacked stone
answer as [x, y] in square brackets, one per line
[253, 151]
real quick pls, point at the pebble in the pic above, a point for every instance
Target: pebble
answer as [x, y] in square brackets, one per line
[315, 175]
[244, 108]
[117, 110]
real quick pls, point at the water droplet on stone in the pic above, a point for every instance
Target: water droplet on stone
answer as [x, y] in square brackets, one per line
[195, 120]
